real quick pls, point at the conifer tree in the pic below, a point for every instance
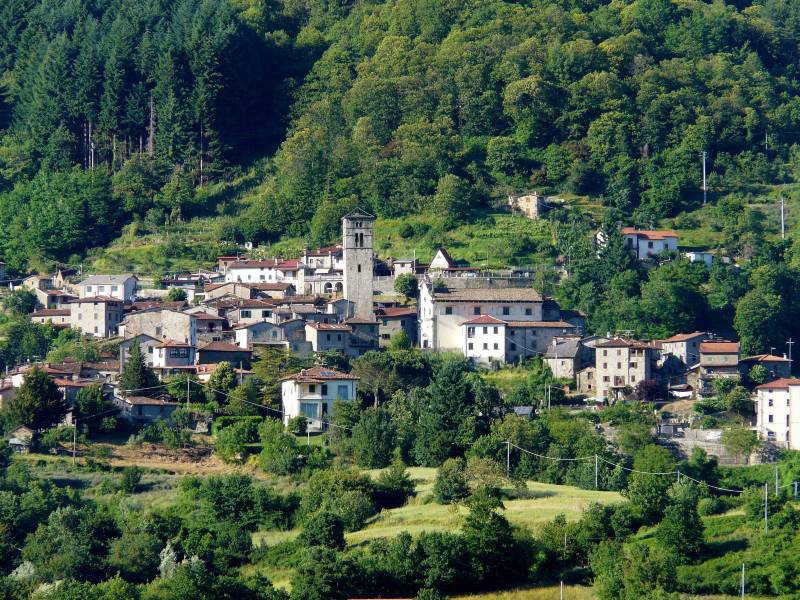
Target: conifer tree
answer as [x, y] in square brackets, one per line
[136, 376]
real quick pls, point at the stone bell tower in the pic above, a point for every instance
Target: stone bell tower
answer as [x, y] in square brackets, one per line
[358, 261]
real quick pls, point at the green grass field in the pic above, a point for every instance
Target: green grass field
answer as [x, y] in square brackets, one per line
[423, 514]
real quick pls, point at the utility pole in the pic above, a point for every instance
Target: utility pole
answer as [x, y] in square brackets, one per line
[74, 439]
[783, 219]
[795, 490]
[705, 190]
[766, 506]
[596, 469]
[790, 343]
[188, 381]
[776, 481]
[508, 459]
[742, 586]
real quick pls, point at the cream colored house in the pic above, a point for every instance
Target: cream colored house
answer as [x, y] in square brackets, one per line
[778, 412]
[311, 393]
[622, 363]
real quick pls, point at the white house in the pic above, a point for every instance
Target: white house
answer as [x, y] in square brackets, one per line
[122, 287]
[778, 412]
[261, 333]
[484, 339]
[311, 393]
[170, 354]
[441, 312]
[697, 256]
[271, 270]
[648, 243]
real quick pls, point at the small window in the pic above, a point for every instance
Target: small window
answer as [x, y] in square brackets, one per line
[605, 365]
[769, 418]
[328, 337]
[476, 310]
[605, 352]
[469, 346]
[513, 346]
[495, 346]
[606, 378]
[448, 310]
[619, 365]
[485, 346]
[312, 388]
[485, 330]
[495, 330]
[633, 365]
[246, 314]
[506, 310]
[324, 389]
[359, 268]
[528, 312]
[769, 402]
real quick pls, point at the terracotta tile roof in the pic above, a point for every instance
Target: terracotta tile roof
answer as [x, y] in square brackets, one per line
[509, 295]
[204, 316]
[329, 326]
[778, 384]
[319, 374]
[484, 320]
[256, 324]
[222, 347]
[107, 365]
[268, 287]
[270, 263]
[682, 337]
[289, 264]
[150, 304]
[76, 384]
[620, 342]
[360, 321]
[542, 324]
[325, 251]
[766, 358]
[173, 344]
[51, 312]
[256, 304]
[649, 234]
[719, 347]
[59, 293]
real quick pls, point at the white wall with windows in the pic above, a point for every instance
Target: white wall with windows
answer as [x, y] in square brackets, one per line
[314, 399]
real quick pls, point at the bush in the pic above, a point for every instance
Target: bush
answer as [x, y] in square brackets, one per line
[710, 506]
[451, 482]
[131, 477]
[393, 487]
[279, 453]
[231, 442]
[221, 423]
[323, 529]
[297, 425]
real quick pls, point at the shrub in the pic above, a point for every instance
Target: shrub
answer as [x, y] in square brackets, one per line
[451, 482]
[279, 453]
[393, 487]
[323, 529]
[221, 423]
[297, 425]
[131, 477]
[710, 506]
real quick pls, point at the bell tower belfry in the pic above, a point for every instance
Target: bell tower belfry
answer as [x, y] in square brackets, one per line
[359, 261]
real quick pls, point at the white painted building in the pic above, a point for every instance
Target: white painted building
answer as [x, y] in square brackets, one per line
[647, 243]
[484, 339]
[272, 270]
[122, 287]
[312, 393]
[442, 312]
[778, 412]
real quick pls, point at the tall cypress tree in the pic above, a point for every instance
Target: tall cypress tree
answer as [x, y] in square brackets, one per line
[136, 376]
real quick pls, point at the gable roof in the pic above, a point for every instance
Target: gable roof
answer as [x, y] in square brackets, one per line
[488, 295]
[107, 279]
[319, 374]
[51, 312]
[329, 326]
[759, 358]
[621, 342]
[649, 234]
[682, 337]
[778, 384]
[445, 255]
[719, 347]
[485, 320]
[396, 311]
[98, 299]
[358, 213]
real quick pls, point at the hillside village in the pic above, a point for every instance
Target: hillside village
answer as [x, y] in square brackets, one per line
[341, 300]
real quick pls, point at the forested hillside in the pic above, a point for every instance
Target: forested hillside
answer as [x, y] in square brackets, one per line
[403, 107]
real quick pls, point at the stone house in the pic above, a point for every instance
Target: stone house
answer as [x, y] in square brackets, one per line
[620, 364]
[392, 320]
[99, 316]
[217, 352]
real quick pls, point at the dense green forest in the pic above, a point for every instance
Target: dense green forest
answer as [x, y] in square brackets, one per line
[404, 107]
